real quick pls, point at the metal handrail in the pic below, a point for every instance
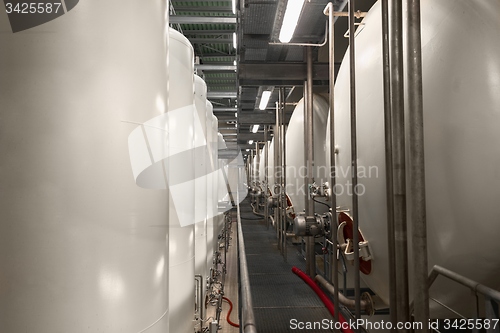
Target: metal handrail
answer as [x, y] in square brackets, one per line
[247, 316]
[489, 294]
[471, 284]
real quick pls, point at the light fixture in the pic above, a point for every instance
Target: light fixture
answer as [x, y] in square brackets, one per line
[234, 62]
[234, 40]
[236, 114]
[234, 6]
[250, 142]
[292, 14]
[255, 128]
[264, 99]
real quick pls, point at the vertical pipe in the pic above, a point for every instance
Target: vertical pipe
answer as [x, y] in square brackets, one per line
[334, 264]
[257, 176]
[309, 155]
[354, 158]
[398, 158]
[388, 163]
[283, 132]
[417, 165]
[266, 174]
[277, 175]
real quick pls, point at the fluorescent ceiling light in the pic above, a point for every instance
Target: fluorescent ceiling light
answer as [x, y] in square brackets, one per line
[255, 128]
[234, 40]
[236, 114]
[234, 6]
[292, 13]
[264, 99]
[250, 142]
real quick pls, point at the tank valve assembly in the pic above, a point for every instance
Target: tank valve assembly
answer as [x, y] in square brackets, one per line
[317, 225]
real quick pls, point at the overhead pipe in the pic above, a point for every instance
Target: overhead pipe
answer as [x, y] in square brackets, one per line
[333, 198]
[326, 301]
[388, 164]
[417, 165]
[354, 158]
[309, 160]
[398, 159]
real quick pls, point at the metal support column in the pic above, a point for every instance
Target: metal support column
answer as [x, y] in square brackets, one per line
[354, 159]
[309, 161]
[334, 264]
[398, 158]
[388, 164]
[417, 165]
[283, 162]
[266, 175]
[277, 175]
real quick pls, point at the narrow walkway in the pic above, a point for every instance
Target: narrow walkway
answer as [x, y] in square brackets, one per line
[281, 299]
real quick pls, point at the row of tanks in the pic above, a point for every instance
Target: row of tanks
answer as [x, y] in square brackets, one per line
[110, 179]
[461, 77]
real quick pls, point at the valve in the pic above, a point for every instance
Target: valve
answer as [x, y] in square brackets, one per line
[310, 225]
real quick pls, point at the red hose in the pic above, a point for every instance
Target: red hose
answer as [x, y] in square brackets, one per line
[229, 313]
[328, 303]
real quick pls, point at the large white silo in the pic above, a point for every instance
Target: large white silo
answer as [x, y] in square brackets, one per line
[296, 171]
[461, 76]
[201, 170]
[181, 173]
[82, 246]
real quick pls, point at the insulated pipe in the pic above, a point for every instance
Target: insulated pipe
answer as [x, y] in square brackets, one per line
[398, 136]
[354, 157]
[307, 279]
[388, 164]
[350, 303]
[333, 198]
[309, 160]
[417, 165]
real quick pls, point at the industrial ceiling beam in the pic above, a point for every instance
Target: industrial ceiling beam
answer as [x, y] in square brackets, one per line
[221, 94]
[264, 73]
[180, 19]
[216, 109]
[208, 32]
[259, 136]
[262, 118]
[211, 40]
[210, 67]
[209, 9]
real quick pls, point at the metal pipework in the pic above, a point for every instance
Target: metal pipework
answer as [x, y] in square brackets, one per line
[354, 158]
[388, 164]
[366, 303]
[309, 161]
[398, 160]
[283, 162]
[277, 174]
[417, 165]
[266, 175]
[333, 198]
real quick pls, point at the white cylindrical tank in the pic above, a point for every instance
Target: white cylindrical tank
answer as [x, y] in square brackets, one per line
[181, 173]
[296, 170]
[211, 208]
[82, 247]
[461, 78]
[201, 168]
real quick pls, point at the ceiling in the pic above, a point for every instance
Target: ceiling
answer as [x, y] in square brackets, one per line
[236, 77]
